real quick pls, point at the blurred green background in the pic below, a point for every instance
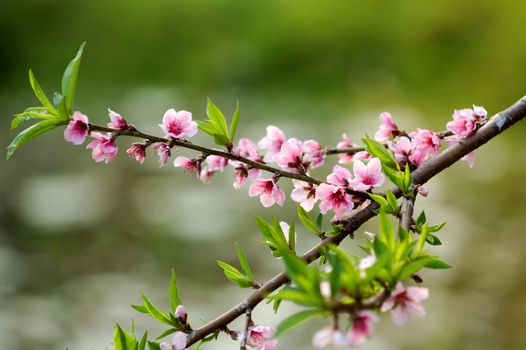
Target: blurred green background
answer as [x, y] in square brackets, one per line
[79, 241]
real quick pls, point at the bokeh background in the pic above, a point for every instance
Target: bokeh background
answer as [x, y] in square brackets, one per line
[79, 241]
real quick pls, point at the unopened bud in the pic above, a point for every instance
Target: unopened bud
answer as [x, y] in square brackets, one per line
[180, 314]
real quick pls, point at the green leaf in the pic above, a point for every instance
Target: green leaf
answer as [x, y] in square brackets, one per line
[39, 93]
[407, 180]
[243, 261]
[432, 239]
[174, 292]
[319, 221]
[233, 274]
[207, 127]
[396, 177]
[413, 267]
[142, 343]
[421, 240]
[421, 219]
[266, 229]
[436, 228]
[307, 221]
[292, 236]
[32, 132]
[378, 199]
[298, 271]
[386, 230]
[438, 264]
[165, 333]
[217, 118]
[140, 308]
[378, 150]
[220, 139]
[69, 80]
[123, 340]
[391, 198]
[295, 319]
[153, 345]
[234, 122]
[155, 312]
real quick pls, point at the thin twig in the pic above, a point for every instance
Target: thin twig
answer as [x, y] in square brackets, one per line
[424, 173]
[248, 323]
[406, 212]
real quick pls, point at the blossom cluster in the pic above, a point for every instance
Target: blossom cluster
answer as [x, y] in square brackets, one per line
[293, 156]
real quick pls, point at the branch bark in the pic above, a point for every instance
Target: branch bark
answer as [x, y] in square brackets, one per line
[495, 126]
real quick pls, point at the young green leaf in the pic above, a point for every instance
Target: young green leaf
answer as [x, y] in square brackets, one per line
[378, 199]
[307, 221]
[386, 230]
[155, 312]
[140, 308]
[32, 132]
[153, 345]
[234, 122]
[217, 118]
[378, 150]
[243, 261]
[207, 126]
[393, 203]
[123, 340]
[295, 319]
[39, 93]
[438, 264]
[396, 177]
[421, 240]
[233, 274]
[142, 343]
[413, 267]
[167, 332]
[69, 80]
[174, 292]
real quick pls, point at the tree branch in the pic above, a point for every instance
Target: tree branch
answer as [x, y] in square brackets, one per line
[406, 212]
[424, 173]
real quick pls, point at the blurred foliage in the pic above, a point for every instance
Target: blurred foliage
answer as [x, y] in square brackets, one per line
[79, 241]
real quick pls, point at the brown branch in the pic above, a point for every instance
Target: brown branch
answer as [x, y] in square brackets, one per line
[426, 171]
[406, 212]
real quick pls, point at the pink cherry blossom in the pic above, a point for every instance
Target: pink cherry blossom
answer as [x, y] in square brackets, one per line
[304, 193]
[180, 312]
[216, 163]
[463, 123]
[367, 176]
[479, 112]
[272, 142]
[103, 147]
[339, 176]
[268, 191]
[178, 342]
[426, 141]
[330, 336]
[206, 175]
[117, 121]
[163, 151]
[137, 151]
[242, 173]
[260, 337]
[77, 129]
[178, 124]
[191, 166]
[362, 327]
[335, 198]
[423, 191]
[406, 151]
[247, 149]
[388, 128]
[290, 155]
[405, 302]
[313, 155]
[346, 158]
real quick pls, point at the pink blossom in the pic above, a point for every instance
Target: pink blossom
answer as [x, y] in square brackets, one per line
[290, 155]
[272, 142]
[304, 193]
[178, 124]
[242, 173]
[423, 191]
[463, 123]
[77, 129]
[178, 342]
[206, 175]
[330, 336]
[313, 155]
[216, 163]
[260, 337]
[388, 128]
[163, 151]
[137, 151]
[191, 166]
[247, 149]
[362, 327]
[335, 198]
[406, 151]
[426, 141]
[117, 122]
[479, 112]
[346, 158]
[405, 302]
[180, 312]
[103, 147]
[268, 191]
[339, 176]
[367, 176]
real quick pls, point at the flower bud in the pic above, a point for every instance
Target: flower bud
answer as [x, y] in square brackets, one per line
[180, 314]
